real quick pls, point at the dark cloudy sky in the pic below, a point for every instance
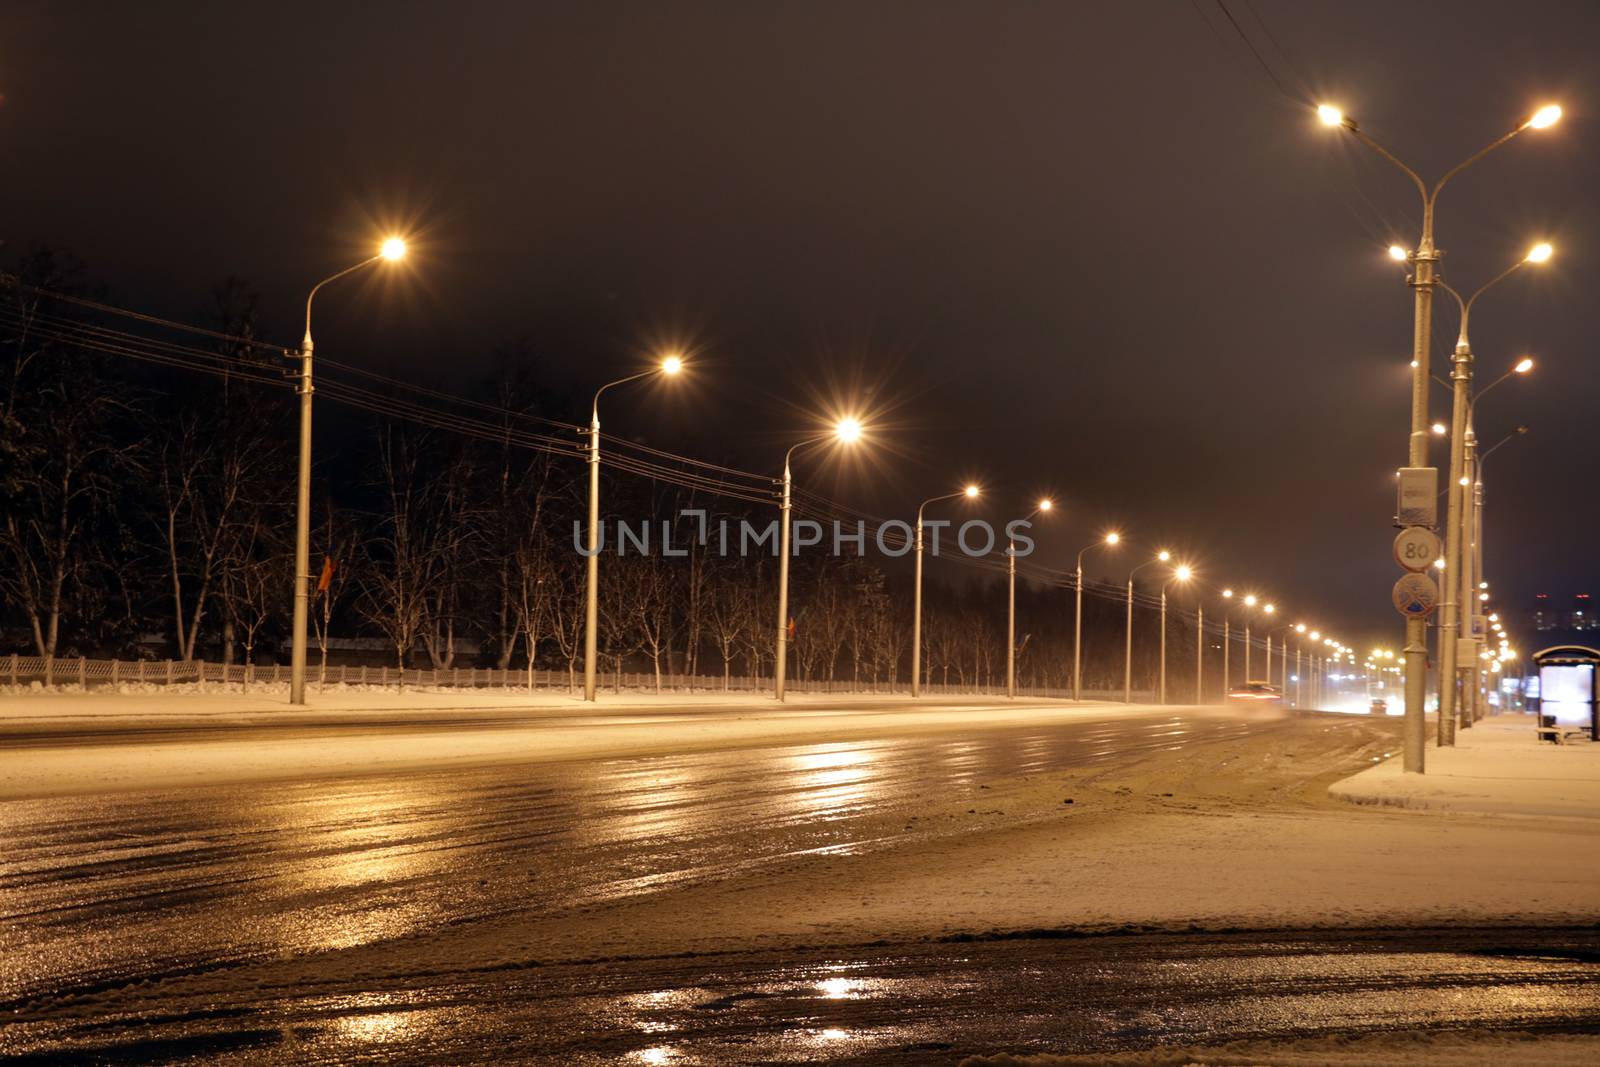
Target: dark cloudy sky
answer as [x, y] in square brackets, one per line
[1084, 247]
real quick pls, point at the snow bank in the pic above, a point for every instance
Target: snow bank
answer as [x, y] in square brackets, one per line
[1499, 766]
[1400, 1049]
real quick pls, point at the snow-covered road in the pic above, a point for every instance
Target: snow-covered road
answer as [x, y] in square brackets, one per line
[511, 904]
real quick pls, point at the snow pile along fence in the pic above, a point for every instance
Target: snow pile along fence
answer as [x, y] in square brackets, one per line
[23, 671]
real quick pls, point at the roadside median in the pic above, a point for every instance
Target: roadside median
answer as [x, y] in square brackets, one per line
[1497, 767]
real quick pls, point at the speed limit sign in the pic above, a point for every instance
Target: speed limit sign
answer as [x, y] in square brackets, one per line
[1416, 547]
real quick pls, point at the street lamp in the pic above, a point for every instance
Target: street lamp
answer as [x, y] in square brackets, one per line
[970, 492]
[1180, 573]
[1044, 506]
[1472, 516]
[1425, 260]
[847, 431]
[670, 366]
[391, 250]
[1127, 656]
[1110, 540]
[1227, 639]
[1250, 602]
[1269, 609]
[1450, 628]
[1300, 628]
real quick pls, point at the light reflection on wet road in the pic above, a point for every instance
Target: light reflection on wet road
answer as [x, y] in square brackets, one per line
[106, 889]
[104, 897]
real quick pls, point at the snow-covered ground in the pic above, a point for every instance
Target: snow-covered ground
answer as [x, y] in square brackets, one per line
[1402, 1049]
[1499, 766]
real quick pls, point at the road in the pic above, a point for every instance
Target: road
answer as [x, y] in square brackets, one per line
[505, 909]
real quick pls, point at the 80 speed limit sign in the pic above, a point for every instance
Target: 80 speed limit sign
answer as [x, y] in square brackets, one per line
[1416, 548]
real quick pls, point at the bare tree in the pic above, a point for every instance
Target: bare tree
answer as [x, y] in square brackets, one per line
[566, 610]
[728, 592]
[402, 568]
[62, 459]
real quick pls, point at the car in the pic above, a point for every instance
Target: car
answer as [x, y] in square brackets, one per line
[1255, 693]
[1380, 706]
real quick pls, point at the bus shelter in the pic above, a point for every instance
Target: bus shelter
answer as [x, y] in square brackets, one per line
[1566, 687]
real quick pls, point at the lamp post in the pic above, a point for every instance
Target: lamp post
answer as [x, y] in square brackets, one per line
[1227, 639]
[1110, 540]
[1311, 667]
[1127, 655]
[392, 250]
[670, 366]
[1043, 507]
[1268, 609]
[1250, 602]
[1472, 569]
[1450, 629]
[845, 431]
[1180, 573]
[971, 493]
[1300, 628]
[1424, 260]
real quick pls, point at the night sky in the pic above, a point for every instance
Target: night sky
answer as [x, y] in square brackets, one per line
[1085, 248]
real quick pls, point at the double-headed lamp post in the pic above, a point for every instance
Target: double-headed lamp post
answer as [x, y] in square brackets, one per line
[1269, 610]
[1227, 638]
[846, 431]
[1471, 523]
[1251, 602]
[670, 366]
[1180, 573]
[1424, 260]
[970, 492]
[1450, 629]
[1110, 540]
[1044, 507]
[1300, 629]
[392, 250]
[1127, 653]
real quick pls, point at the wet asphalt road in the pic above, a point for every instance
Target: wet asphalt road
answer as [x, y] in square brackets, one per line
[121, 916]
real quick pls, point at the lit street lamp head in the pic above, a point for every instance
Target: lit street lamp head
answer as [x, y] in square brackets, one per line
[672, 365]
[1546, 117]
[1524, 365]
[1227, 594]
[1046, 504]
[1163, 555]
[1440, 428]
[1397, 253]
[848, 430]
[1113, 538]
[394, 248]
[1182, 572]
[1269, 608]
[1330, 115]
[1250, 601]
[971, 491]
[1300, 628]
[1540, 252]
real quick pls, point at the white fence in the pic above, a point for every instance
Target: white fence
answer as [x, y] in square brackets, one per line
[111, 673]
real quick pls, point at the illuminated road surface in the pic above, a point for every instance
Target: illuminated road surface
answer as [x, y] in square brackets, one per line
[314, 920]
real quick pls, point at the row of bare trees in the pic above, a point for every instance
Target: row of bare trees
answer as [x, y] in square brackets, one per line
[149, 511]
